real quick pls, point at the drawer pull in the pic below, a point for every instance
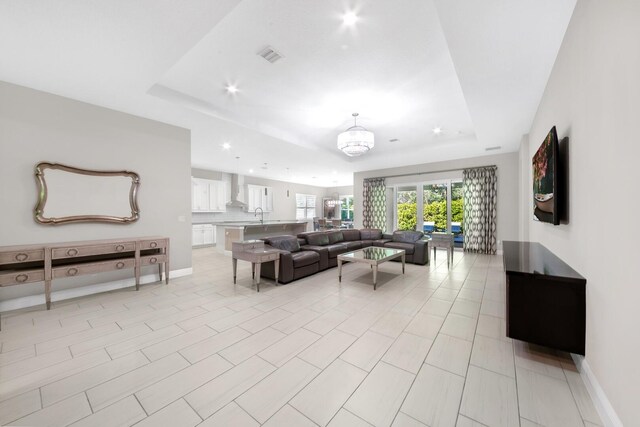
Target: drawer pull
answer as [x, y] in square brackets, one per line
[72, 272]
[153, 260]
[120, 248]
[22, 278]
[72, 252]
[21, 256]
[120, 265]
[153, 244]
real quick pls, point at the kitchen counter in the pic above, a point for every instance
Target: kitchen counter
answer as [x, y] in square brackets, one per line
[246, 223]
[239, 231]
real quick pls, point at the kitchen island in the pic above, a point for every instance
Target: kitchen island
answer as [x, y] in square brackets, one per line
[240, 231]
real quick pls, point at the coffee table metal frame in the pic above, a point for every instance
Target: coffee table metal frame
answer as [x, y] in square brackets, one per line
[360, 256]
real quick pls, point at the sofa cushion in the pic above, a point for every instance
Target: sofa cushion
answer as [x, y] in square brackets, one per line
[381, 242]
[335, 237]
[370, 234]
[284, 243]
[407, 236]
[408, 247]
[366, 243]
[351, 235]
[317, 239]
[352, 246]
[304, 258]
[337, 249]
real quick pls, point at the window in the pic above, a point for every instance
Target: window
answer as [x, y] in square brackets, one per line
[346, 209]
[305, 206]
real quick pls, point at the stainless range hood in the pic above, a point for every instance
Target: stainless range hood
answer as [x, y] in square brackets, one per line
[236, 183]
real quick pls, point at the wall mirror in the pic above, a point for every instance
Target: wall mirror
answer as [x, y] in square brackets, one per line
[67, 194]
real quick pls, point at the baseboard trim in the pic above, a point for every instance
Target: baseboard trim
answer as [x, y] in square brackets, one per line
[33, 300]
[603, 406]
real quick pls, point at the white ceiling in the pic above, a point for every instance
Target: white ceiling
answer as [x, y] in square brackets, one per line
[475, 69]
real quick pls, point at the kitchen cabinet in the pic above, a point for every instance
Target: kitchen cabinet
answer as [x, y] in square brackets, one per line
[259, 196]
[208, 195]
[203, 234]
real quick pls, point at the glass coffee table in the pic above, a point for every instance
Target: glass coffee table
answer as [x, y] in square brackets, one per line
[374, 256]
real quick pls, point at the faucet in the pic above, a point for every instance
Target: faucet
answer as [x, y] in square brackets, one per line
[261, 214]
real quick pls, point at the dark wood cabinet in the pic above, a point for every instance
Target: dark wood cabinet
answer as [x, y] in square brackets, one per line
[545, 298]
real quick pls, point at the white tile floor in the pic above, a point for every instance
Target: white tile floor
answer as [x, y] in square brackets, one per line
[425, 349]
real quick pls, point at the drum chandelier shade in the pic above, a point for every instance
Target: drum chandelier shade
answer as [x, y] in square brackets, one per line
[356, 140]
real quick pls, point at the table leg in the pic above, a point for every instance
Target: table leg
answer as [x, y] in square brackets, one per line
[448, 258]
[257, 274]
[234, 261]
[47, 293]
[277, 267]
[339, 271]
[434, 254]
[160, 271]
[375, 276]
[253, 271]
[403, 262]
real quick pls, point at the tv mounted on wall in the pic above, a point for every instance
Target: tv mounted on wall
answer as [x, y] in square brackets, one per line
[545, 180]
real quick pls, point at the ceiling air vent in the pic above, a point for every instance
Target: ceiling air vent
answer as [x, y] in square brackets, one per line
[270, 54]
[497, 147]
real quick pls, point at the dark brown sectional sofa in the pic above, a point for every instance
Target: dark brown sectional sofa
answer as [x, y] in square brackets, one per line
[310, 252]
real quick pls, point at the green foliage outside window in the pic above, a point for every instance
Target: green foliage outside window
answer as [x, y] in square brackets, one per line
[433, 212]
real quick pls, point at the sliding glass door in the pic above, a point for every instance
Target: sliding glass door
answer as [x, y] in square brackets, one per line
[434, 206]
[406, 208]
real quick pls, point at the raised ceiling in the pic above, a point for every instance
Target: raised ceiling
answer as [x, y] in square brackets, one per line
[476, 70]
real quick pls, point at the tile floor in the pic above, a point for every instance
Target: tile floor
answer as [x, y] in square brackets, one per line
[428, 348]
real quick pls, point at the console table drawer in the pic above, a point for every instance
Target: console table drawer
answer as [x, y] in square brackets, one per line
[76, 251]
[21, 256]
[91, 268]
[153, 244]
[153, 259]
[18, 277]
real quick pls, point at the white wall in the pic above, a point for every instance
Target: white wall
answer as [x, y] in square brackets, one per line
[508, 173]
[37, 126]
[593, 97]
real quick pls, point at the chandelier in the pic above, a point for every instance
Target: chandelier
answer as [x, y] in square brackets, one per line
[356, 140]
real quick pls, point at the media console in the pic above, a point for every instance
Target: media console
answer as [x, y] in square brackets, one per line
[545, 298]
[49, 261]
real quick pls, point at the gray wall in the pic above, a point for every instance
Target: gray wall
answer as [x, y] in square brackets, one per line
[37, 126]
[593, 97]
[508, 173]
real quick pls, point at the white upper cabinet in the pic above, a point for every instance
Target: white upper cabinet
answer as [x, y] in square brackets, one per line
[259, 196]
[208, 195]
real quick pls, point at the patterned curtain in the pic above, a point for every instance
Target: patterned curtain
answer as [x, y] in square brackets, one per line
[374, 202]
[480, 200]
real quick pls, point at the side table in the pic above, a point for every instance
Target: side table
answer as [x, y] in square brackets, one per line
[254, 252]
[443, 240]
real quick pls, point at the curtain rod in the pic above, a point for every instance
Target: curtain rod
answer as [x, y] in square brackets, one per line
[427, 173]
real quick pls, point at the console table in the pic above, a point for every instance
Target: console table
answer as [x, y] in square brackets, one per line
[545, 298]
[49, 261]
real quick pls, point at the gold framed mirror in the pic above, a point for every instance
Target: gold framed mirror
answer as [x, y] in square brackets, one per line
[71, 195]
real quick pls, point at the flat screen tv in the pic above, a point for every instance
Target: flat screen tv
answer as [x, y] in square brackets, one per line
[545, 180]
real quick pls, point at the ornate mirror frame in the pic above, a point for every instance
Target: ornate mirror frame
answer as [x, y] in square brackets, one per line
[42, 196]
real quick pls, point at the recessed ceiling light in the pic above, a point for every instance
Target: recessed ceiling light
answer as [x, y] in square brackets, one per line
[226, 146]
[394, 140]
[349, 18]
[250, 170]
[232, 89]
[437, 130]
[496, 147]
